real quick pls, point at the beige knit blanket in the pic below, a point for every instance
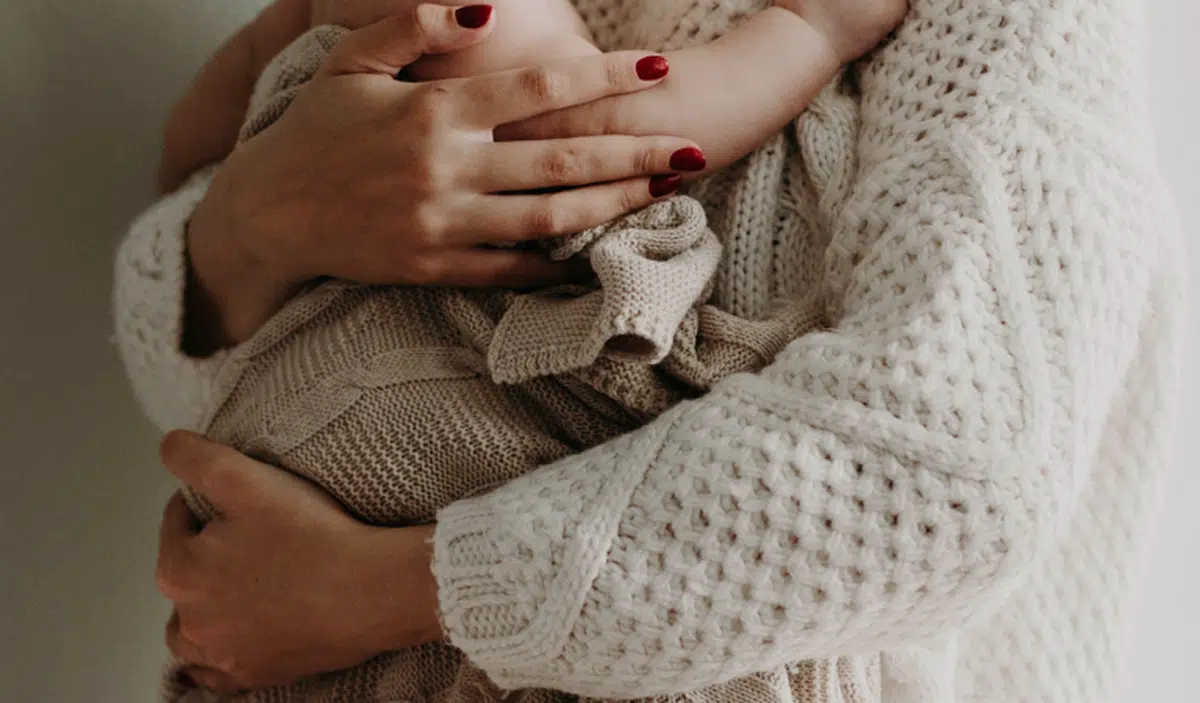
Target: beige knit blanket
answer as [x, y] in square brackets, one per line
[399, 400]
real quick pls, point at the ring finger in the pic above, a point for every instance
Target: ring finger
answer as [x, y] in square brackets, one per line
[520, 218]
[557, 163]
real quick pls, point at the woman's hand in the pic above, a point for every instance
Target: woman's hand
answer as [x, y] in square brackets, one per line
[378, 181]
[203, 126]
[283, 584]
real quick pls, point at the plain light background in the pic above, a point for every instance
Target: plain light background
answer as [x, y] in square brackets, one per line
[84, 87]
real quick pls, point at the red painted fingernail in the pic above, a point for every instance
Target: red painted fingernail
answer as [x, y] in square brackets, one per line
[652, 68]
[661, 186]
[473, 16]
[689, 159]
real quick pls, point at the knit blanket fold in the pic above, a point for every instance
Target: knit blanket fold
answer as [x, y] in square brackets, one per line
[652, 269]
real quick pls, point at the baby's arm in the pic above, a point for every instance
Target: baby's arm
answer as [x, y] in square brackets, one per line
[203, 126]
[526, 33]
[731, 95]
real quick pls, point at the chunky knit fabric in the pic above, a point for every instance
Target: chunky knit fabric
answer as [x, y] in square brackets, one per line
[956, 480]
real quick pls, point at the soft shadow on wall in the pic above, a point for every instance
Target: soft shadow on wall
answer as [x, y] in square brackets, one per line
[84, 87]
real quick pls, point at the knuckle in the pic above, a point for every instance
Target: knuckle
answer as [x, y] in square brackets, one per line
[616, 72]
[648, 158]
[561, 166]
[429, 226]
[629, 198]
[418, 23]
[549, 219]
[543, 220]
[433, 175]
[431, 103]
[544, 85]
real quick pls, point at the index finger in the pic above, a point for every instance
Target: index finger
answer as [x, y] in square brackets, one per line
[494, 99]
[209, 468]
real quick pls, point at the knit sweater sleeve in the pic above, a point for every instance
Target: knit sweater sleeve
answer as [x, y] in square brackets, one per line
[151, 270]
[150, 281]
[883, 482]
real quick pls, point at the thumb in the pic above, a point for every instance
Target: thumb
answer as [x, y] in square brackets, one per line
[389, 45]
[236, 484]
[219, 473]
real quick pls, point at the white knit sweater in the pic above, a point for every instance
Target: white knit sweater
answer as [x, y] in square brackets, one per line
[959, 477]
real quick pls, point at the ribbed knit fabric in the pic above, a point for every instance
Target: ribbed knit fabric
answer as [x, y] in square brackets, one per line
[955, 481]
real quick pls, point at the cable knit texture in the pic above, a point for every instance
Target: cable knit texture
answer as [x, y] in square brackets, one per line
[953, 482]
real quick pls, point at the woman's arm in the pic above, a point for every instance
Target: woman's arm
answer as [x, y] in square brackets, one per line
[203, 127]
[887, 481]
[998, 261]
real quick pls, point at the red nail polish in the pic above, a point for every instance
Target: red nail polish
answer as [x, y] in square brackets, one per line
[661, 186]
[473, 16]
[652, 68]
[689, 159]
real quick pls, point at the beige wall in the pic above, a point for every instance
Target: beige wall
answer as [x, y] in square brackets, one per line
[83, 88]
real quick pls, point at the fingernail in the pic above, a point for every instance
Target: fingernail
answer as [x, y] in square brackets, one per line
[661, 186]
[652, 68]
[473, 16]
[689, 159]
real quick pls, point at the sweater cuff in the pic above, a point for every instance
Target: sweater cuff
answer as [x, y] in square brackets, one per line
[514, 567]
[150, 285]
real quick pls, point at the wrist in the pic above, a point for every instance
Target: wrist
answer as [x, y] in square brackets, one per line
[401, 591]
[232, 289]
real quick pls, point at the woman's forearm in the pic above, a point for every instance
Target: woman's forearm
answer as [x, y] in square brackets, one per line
[203, 127]
[231, 290]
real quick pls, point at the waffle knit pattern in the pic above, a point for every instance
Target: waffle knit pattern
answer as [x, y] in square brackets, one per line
[954, 482]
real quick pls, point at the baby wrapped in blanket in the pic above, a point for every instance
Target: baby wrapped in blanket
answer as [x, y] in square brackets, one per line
[401, 400]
